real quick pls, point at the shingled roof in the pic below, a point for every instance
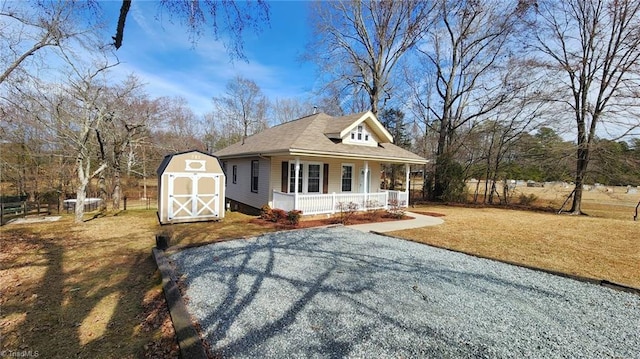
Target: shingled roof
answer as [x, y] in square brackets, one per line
[315, 135]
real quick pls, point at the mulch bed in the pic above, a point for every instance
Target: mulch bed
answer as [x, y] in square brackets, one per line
[310, 223]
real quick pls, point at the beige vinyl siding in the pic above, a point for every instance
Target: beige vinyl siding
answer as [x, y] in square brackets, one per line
[335, 172]
[241, 190]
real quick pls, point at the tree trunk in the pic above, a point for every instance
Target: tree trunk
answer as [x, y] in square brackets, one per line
[581, 170]
[392, 185]
[83, 165]
[102, 191]
[81, 189]
[80, 198]
[493, 189]
[476, 192]
[505, 191]
[102, 181]
[425, 183]
[441, 165]
[115, 196]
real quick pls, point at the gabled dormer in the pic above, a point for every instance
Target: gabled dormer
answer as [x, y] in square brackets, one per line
[361, 130]
[361, 135]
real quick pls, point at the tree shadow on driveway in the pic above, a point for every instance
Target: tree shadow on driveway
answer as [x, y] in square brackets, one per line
[321, 293]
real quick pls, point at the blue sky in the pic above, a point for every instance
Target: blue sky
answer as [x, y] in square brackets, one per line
[161, 54]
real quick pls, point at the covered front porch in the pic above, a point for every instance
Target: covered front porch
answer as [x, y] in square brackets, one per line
[366, 195]
[330, 203]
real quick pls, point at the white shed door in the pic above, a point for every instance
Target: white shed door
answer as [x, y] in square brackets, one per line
[193, 195]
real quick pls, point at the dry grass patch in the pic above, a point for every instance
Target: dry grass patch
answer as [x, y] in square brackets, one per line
[235, 225]
[600, 248]
[92, 290]
[77, 290]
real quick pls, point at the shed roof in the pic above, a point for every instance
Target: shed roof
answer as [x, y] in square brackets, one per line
[167, 159]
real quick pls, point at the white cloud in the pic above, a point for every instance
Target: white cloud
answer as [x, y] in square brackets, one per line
[161, 53]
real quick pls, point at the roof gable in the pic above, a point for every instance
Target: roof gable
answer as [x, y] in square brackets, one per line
[374, 124]
[167, 159]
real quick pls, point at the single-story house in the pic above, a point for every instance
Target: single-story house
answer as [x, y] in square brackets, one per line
[333, 161]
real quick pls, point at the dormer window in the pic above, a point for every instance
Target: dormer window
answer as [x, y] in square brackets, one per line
[360, 134]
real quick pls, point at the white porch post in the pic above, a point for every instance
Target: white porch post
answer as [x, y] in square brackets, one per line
[406, 182]
[295, 186]
[366, 182]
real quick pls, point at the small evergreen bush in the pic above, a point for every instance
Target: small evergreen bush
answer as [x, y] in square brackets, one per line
[293, 217]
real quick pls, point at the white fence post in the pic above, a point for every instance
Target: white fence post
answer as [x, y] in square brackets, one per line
[333, 202]
[386, 200]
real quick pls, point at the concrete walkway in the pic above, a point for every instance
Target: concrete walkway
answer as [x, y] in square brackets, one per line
[420, 220]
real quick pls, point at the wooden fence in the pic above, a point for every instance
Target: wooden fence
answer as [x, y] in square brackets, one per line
[9, 211]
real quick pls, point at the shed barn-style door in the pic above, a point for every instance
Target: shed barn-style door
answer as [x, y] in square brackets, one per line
[193, 195]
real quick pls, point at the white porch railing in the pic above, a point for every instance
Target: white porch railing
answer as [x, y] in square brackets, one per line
[329, 203]
[402, 198]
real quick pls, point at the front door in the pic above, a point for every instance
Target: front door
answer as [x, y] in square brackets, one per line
[364, 180]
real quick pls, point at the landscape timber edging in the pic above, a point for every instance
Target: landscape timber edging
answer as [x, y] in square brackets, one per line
[600, 282]
[191, 346]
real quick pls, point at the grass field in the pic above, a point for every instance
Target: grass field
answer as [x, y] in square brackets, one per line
[595, 247]
[92, 290]
[602, 201]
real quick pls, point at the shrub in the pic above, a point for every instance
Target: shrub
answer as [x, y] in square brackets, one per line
[373, 210]
[395, 209]
[278, 215]
[527, 200]
[347, 211]
[266, 212]
[293, 217]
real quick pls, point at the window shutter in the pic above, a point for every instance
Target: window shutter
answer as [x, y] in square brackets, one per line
[325, 178]
[284, 177]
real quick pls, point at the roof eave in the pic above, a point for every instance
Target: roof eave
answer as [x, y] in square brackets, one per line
[309, 153]
[254, 154]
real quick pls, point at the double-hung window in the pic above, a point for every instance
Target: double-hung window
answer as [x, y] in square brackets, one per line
[313, 178]
[347, 178]
[254, 175]
[309, 177]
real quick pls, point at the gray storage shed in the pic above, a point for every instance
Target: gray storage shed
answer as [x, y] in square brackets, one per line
[191, 188]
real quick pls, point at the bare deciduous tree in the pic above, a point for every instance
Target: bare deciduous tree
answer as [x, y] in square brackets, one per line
[28, 28]
[179, 129]
[592, 49]
[130, 115]
[359, 43]
[73, 113]
[243, 108]
[288, 109]
[467, 50]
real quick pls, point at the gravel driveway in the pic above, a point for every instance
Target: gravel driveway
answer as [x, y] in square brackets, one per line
[337, 292]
